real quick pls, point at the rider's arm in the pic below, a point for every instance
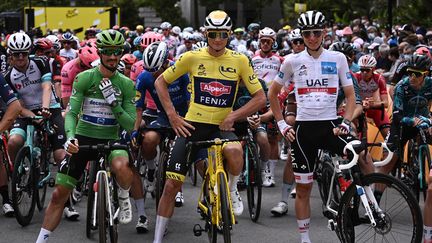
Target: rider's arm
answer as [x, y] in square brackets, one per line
[46, 94]
[126, 112]
[139, 103]
[348, 88]
[71, 119]
[274, 101]
[398, 108]
[12, 112]
[254, 87]
[179, 68]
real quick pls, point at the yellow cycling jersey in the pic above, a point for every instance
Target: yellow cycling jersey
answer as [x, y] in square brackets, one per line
[214, 82]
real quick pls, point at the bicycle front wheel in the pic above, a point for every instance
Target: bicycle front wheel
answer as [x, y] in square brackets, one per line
[42, 173]
[425, 161]
[160, 178]
[402, 221]
[102, 208]
[23, 187]
[225, 208]
[254, 183]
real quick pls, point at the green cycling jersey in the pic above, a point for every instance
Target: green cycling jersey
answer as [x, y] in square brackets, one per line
[91, 116]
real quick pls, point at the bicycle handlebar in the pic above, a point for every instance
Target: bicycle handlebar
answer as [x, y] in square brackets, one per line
[356, 147]
[216, 141]
[103, 147]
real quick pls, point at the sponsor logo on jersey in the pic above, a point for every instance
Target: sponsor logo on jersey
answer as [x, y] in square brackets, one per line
[137, 96]
[328, 68]
[303, 67]
[228, 72]
[317, 82]
[281, 75]
[215, 88]
[348, 75]
[202, 70]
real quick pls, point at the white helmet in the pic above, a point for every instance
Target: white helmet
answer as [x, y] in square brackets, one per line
[311, 20]
[154, 56]
[188, 37]
[176, 30]
[218, 20]
[367, 61]
[19, 42]
[199, 44]
[188, 30]
[295, 35]
[267, 33]
[55, 41]
[165, 25]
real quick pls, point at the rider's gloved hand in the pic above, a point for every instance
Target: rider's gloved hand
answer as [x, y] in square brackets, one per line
[425, 120]
[108, 91]
[407, 121]
[71, 146]
[345, 126]
[134, 137]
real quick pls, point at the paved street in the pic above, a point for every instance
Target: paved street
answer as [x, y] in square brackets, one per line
[268, 228]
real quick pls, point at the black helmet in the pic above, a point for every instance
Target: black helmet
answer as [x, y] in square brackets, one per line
[343, 47]
[419, 62]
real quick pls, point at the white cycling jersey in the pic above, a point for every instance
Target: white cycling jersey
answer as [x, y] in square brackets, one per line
[267, 68]
[316, 83]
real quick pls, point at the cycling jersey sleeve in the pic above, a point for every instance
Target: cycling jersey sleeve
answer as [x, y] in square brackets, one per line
[398, 108]
[285, 74]
[179, 68]
[140, 93]
[75, 103]
[248, 76]
[56, 74]
[344, 73]
[358, 98]
[43, 65]
[126, 113]
[185, 83]
[6, 93]
[382, 85]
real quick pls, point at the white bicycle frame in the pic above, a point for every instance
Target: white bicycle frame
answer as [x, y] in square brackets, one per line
[112, 216]
[366, 193]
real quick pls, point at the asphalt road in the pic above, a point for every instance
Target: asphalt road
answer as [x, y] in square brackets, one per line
[267, 229]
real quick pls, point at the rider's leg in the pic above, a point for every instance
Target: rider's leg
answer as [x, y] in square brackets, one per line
[15, 143]
[274, 155]
[233, 153]
[124, 177]
[302, 207]
[151, 140]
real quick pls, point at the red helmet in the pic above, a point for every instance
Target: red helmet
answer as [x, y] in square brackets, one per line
[150, 37]
[44, 44]
[129, 59]
[423, 50]
[87, 54]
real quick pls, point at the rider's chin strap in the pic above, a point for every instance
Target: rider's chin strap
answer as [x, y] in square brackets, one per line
[109, 68]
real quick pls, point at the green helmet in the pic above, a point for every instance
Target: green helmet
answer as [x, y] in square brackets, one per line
[109, 38]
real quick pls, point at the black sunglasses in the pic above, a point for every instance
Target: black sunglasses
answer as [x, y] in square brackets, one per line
[365, 70]
[298, 42]
[309, 33]
[216, 34]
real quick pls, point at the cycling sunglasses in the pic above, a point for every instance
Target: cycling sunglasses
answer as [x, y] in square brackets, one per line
[365, 70]
[110, 51]
[417, 73]
[266, 41]
[18, 54]
[216, 34]
[298, 42]
[309, 33]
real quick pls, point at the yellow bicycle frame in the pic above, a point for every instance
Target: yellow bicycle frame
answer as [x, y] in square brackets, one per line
[215, 167]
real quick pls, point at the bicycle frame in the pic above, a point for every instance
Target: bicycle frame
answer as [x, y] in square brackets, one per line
[214, 168]
[423, 147]
[365, 192]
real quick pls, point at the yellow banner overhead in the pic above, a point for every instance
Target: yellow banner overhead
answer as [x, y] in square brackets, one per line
[77, 19]
[300, 7]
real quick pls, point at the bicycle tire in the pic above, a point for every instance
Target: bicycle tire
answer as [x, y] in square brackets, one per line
[42, 172]
[21, 190]
[160, 178]
[210, 227]
[347, 220]
[90, 199]
[324, 183]
[102, 209]
[254, 183]
[225, 209]
[426, 161]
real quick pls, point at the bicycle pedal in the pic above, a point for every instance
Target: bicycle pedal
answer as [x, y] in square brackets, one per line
[51, 182]
[331, 225]
[197, 229]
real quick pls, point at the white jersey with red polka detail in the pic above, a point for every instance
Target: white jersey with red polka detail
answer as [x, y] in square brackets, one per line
[316, 83]
[368, 88]
[266, 68]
